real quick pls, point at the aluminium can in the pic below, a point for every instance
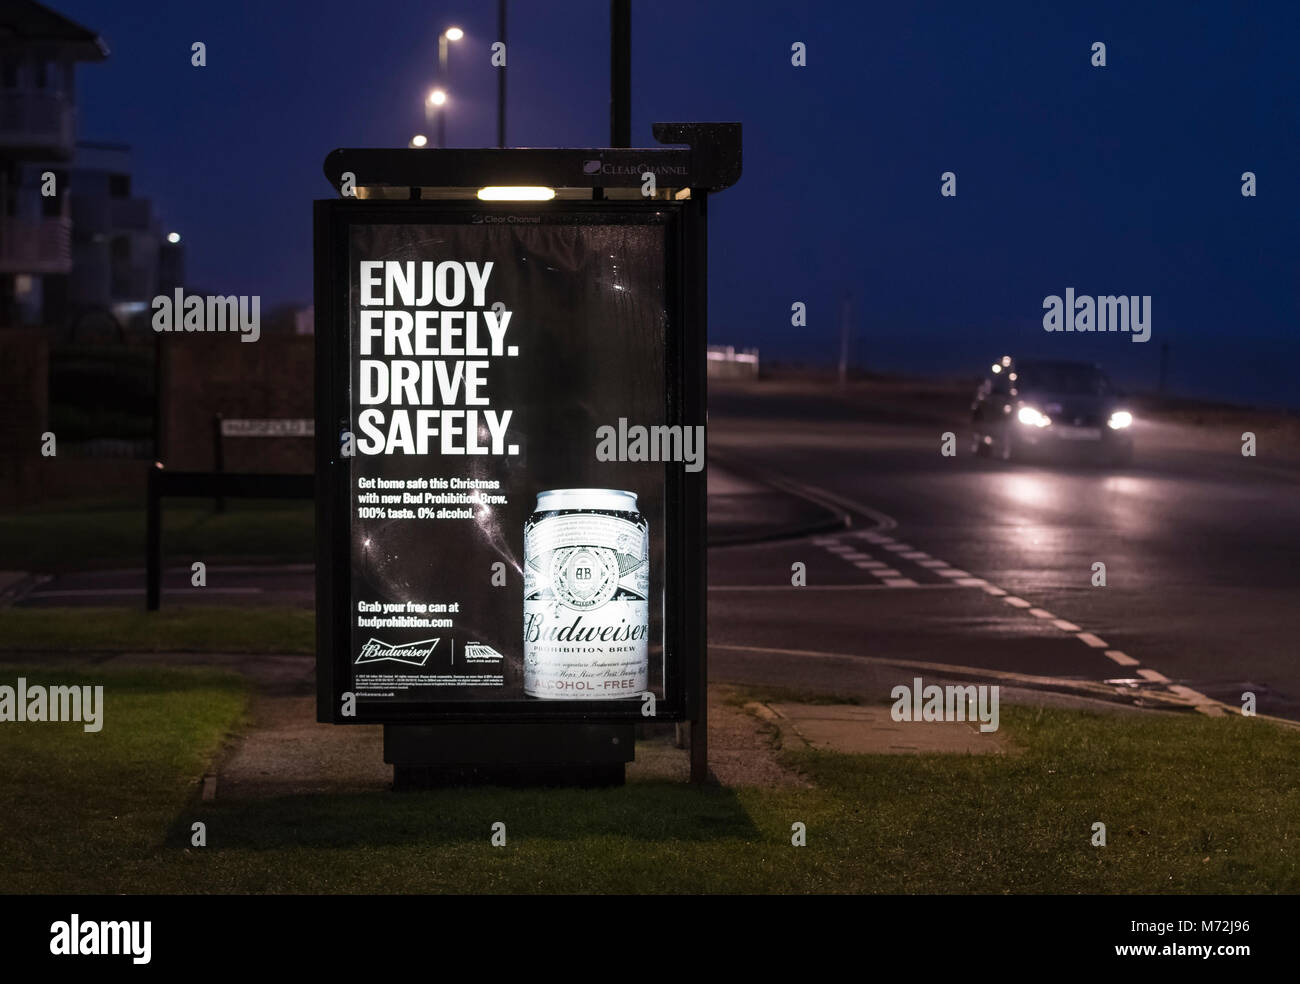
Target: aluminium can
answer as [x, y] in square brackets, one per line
[586, 596]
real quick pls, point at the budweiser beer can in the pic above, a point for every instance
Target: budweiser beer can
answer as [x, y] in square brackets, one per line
[586, 596]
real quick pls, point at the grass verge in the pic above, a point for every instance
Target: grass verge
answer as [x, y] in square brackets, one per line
[1191, 805]
[206, 628]
[89, 812]
[97, 535]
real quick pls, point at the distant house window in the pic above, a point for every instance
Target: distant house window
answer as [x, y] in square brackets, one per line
[119, 186]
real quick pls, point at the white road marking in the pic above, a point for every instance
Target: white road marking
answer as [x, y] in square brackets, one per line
[901, 582]
[898, 547]
[871, 564]
[971, 582]
[82, 592]
[1201, 702]
[856, 555]
[887, 572]
[1099, 688]
[823, 587]
[916, 555]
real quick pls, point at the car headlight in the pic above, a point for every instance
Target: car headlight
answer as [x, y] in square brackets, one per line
[1032, 417]
[1120, 419]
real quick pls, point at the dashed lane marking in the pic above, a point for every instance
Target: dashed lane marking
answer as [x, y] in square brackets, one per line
[946, 586]
[956, 579]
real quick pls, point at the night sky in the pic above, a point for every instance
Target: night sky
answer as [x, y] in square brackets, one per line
[1117, 180]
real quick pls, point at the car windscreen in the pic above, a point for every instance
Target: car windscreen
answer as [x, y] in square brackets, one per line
[1067, 380]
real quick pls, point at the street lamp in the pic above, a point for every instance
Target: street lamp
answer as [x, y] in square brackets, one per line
[447, 36]
[437, 100]
[419, 140]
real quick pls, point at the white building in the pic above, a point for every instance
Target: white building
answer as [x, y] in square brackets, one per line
[39, 50]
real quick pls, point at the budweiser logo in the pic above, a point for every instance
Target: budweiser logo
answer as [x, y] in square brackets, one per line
[576, 631]
[411, 653]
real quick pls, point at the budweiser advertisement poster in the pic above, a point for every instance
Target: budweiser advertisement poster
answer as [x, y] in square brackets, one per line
[506, 515]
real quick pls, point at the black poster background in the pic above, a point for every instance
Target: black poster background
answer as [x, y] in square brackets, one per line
[589, 315]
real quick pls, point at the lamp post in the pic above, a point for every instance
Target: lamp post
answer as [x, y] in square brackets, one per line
[438, 97]
[437, 100]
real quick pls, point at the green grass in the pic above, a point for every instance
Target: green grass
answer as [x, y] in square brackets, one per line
[79, 810]
[206, 628]
[104, 534]
[1191, 805]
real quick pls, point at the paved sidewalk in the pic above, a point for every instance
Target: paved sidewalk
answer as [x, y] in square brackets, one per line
[284, 752]
[870, 730]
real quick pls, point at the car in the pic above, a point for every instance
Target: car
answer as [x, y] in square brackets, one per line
[1043, 408]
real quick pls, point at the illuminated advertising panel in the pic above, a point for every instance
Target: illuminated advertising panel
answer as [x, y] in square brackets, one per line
[502, 462]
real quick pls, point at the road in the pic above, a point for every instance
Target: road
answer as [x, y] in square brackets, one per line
[957, 566]
[988, 566]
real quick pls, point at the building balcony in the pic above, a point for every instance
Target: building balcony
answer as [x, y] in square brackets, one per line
[36, 245]
[37, 125]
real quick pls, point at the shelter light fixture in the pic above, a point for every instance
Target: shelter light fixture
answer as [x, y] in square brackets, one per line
[521, 193]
